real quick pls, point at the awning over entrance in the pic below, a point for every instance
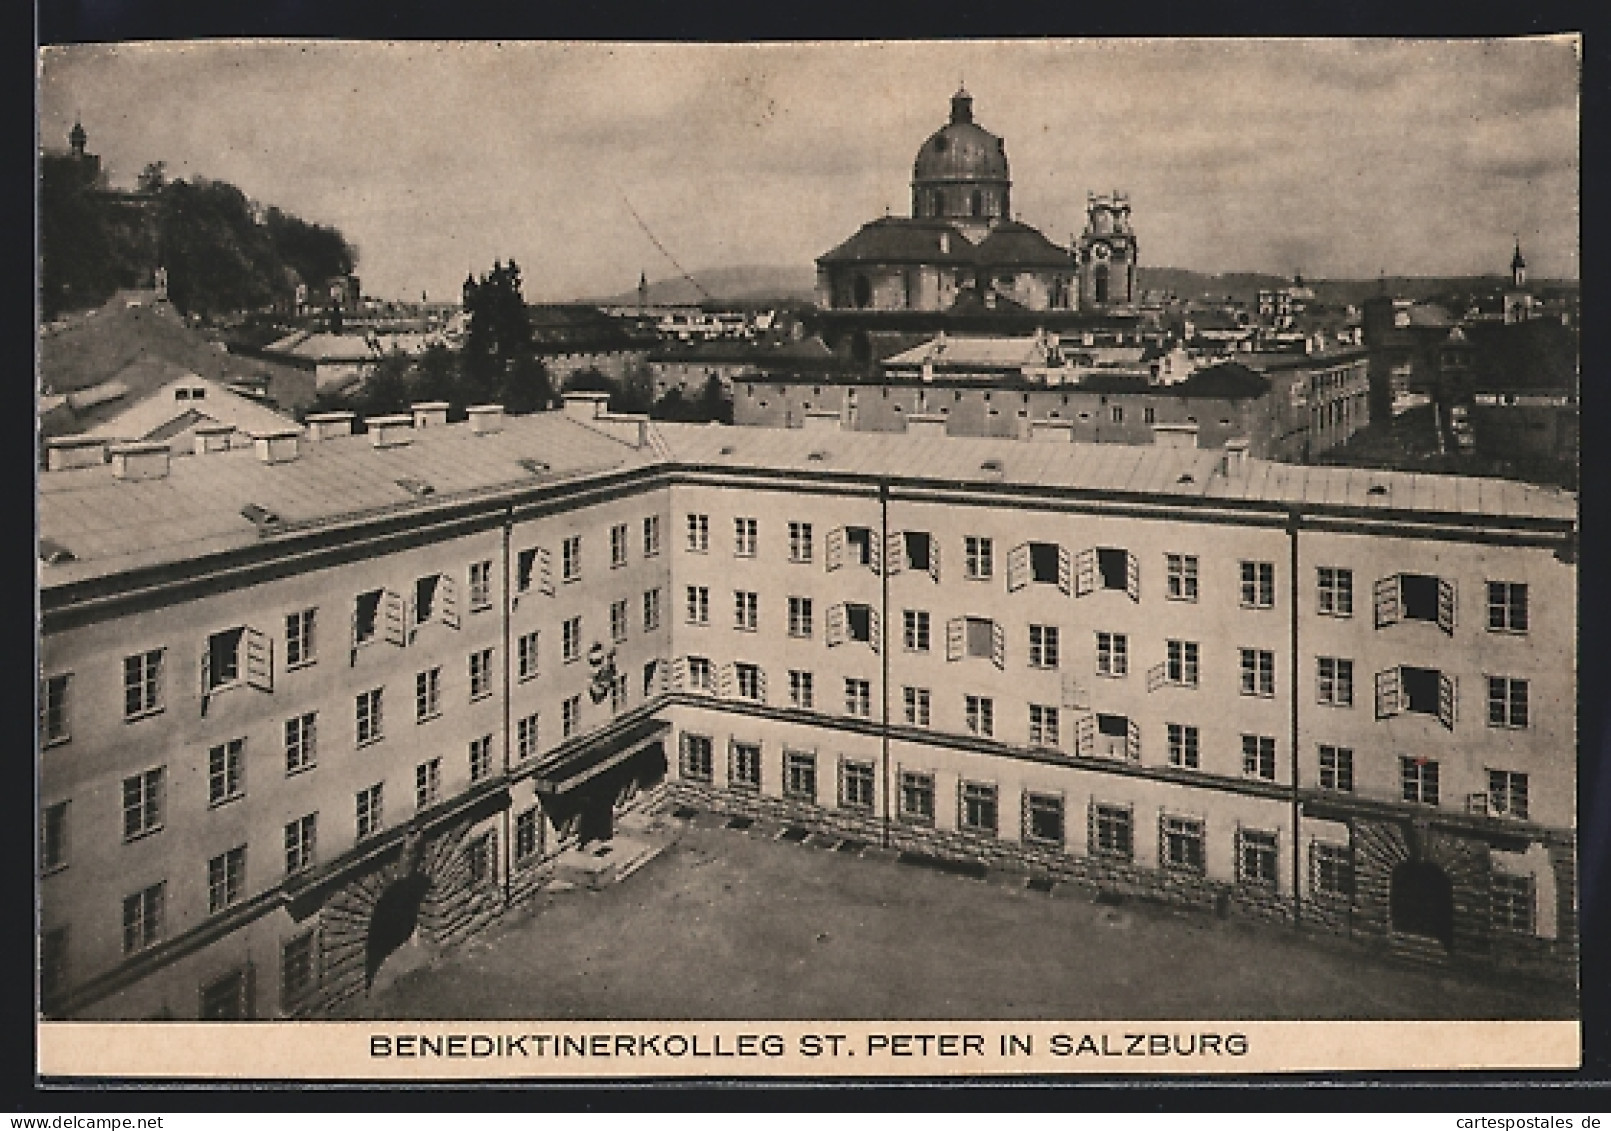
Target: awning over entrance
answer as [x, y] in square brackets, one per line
[600, 755]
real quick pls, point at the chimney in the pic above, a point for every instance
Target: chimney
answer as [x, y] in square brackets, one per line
[925, 424]
[140, 461]
[67, 452]
[1174, 435]
[328, 425]
[429, 414]
[1051, 432]
[391, 431]
[278, 446]
[1235, 462]
[821, 420]
[485, 418]
[212, 438]
[585, 406]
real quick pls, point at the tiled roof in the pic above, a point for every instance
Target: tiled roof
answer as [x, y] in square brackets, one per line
[1014, 244]
[955, 350]
[896, 239]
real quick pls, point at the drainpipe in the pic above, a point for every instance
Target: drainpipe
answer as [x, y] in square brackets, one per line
[1294, 517]
[507, 849]
[883, 643]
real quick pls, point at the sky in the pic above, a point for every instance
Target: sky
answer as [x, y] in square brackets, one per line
[1330, 158]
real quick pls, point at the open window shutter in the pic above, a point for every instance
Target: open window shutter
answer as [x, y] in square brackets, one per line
[934, 559]
[998, 646]
[1446, 704]
[395, 615]
[727, 682]
[447, 600]
[875, 630]
[1389, 696]
[1446, 596]
[834, 554]
[1132, 740]
[1017, 567]
[259, 649]
[545, 571]
[1065, 571]
[1387, 601]
[1157, 676]
[956, 638]
[1085, 735]
[760, 684]
[678, 676]
[411, 616]
[206, 678]
[352, 638]
[836, 625]
[895, 553]
[1074, 695]
[1132, 576]
[875, 553]
[1084, 572]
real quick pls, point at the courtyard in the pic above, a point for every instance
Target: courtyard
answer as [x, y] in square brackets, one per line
[728, 923]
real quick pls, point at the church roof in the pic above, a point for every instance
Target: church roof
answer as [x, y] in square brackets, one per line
[1014, 244]
[961, 150]
[897, 239]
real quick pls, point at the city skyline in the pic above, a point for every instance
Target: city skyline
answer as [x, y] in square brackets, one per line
[437, 158]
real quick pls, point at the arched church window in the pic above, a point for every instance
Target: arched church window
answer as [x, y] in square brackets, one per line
[862, 292]
[978, 203]
[1101, 282]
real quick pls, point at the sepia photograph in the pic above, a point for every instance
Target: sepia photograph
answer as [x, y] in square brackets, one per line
[1007, 546]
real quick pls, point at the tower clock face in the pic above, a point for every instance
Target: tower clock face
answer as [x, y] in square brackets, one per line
[1101, 251]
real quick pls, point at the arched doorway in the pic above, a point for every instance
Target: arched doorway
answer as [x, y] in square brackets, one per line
[1101, 283]
[1421, 901]
[392, 922]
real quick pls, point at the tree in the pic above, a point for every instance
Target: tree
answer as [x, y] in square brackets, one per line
[713, 402]
[527, 387]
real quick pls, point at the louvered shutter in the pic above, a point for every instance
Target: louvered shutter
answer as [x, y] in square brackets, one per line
[956, 638]
[1085, 735]
[545, 571]
[998, 646]
[934, 559]
[875, 553]
[1074, 694]
[760, 684]
[678, 676]
[875, 631]
[1017, 567]
[1157, 676]
[1132, 740]
[1132, 576]
[206, 678]
[394, 616]
[895, 552]
[1446, 700]
[1065, 571]
[259, 659]
[411, 616]
[836, 625]
[1389, 693]
[352, 638]
[834, 552]
[1387, 601]
[727, 681]
[1446, 596]
[1084, 572]
[447, 600]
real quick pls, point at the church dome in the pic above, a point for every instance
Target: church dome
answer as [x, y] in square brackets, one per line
[961, 150]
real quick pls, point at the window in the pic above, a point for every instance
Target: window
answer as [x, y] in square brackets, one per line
[1114, 569]
[526, 655]
[917, 797]
[1118, 414]
[1180, 663]
[425, 590]
[1112, 654]
[856, 785]
[858, 698]
[1334, 591]
[480, 757]
[1112, 832]
[368, 713]
[651, 610]
[1335, 681]
[538, 561]
[142, 684]
[301, 743]
[854, 543]
[1507, 702]
[570, 716]
[977, 557]
[1043, 725]
[1258, 585]
[699, 533]
[299, 972]
[427, 696]
[368, 805]
[750, 682]
[746, 610]
[1043, 646]
[53, 709]
[1182, 843]
[744, 765]
[1257, 858]
[1180, 577]
[1041, 563]
[480, 674]
[696, 759]
[301, 640]
[1420, 780]
[919, 551]
[1337, 768]
[801, 693]
[1507, 794]
[651, 536]
[699, 674]
[301, 839]
[480, 585]
[1258, 672]
[653, 679]
[618, 621]
[480, 858]
[53, 837]
[223, 659]
[800, 775]
[1414, 596]
[142, 918]
[1258, 756]
[1043, 818]
[915, 701]
[1511, 901]
[226, 772]
[800, 617]
[975, 637]
[1420, 690]
[915, 623]
[226, 879]
[526, 738]
[526, 835]
[570, 641]
[618, 545]
[799, 541]
[980, 714]
[1331, 870]
[1183, 745]
[366, 616]
[570, 559]
[744, 537]
[1507, 606]
[143, 802]
[698, 604]
[977, 811]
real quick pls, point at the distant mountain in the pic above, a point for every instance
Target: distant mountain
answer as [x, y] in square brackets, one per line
[727, 284]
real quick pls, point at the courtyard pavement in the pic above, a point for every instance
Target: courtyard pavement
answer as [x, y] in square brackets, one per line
[730, 924]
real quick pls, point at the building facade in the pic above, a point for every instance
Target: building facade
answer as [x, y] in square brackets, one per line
[357, 689]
